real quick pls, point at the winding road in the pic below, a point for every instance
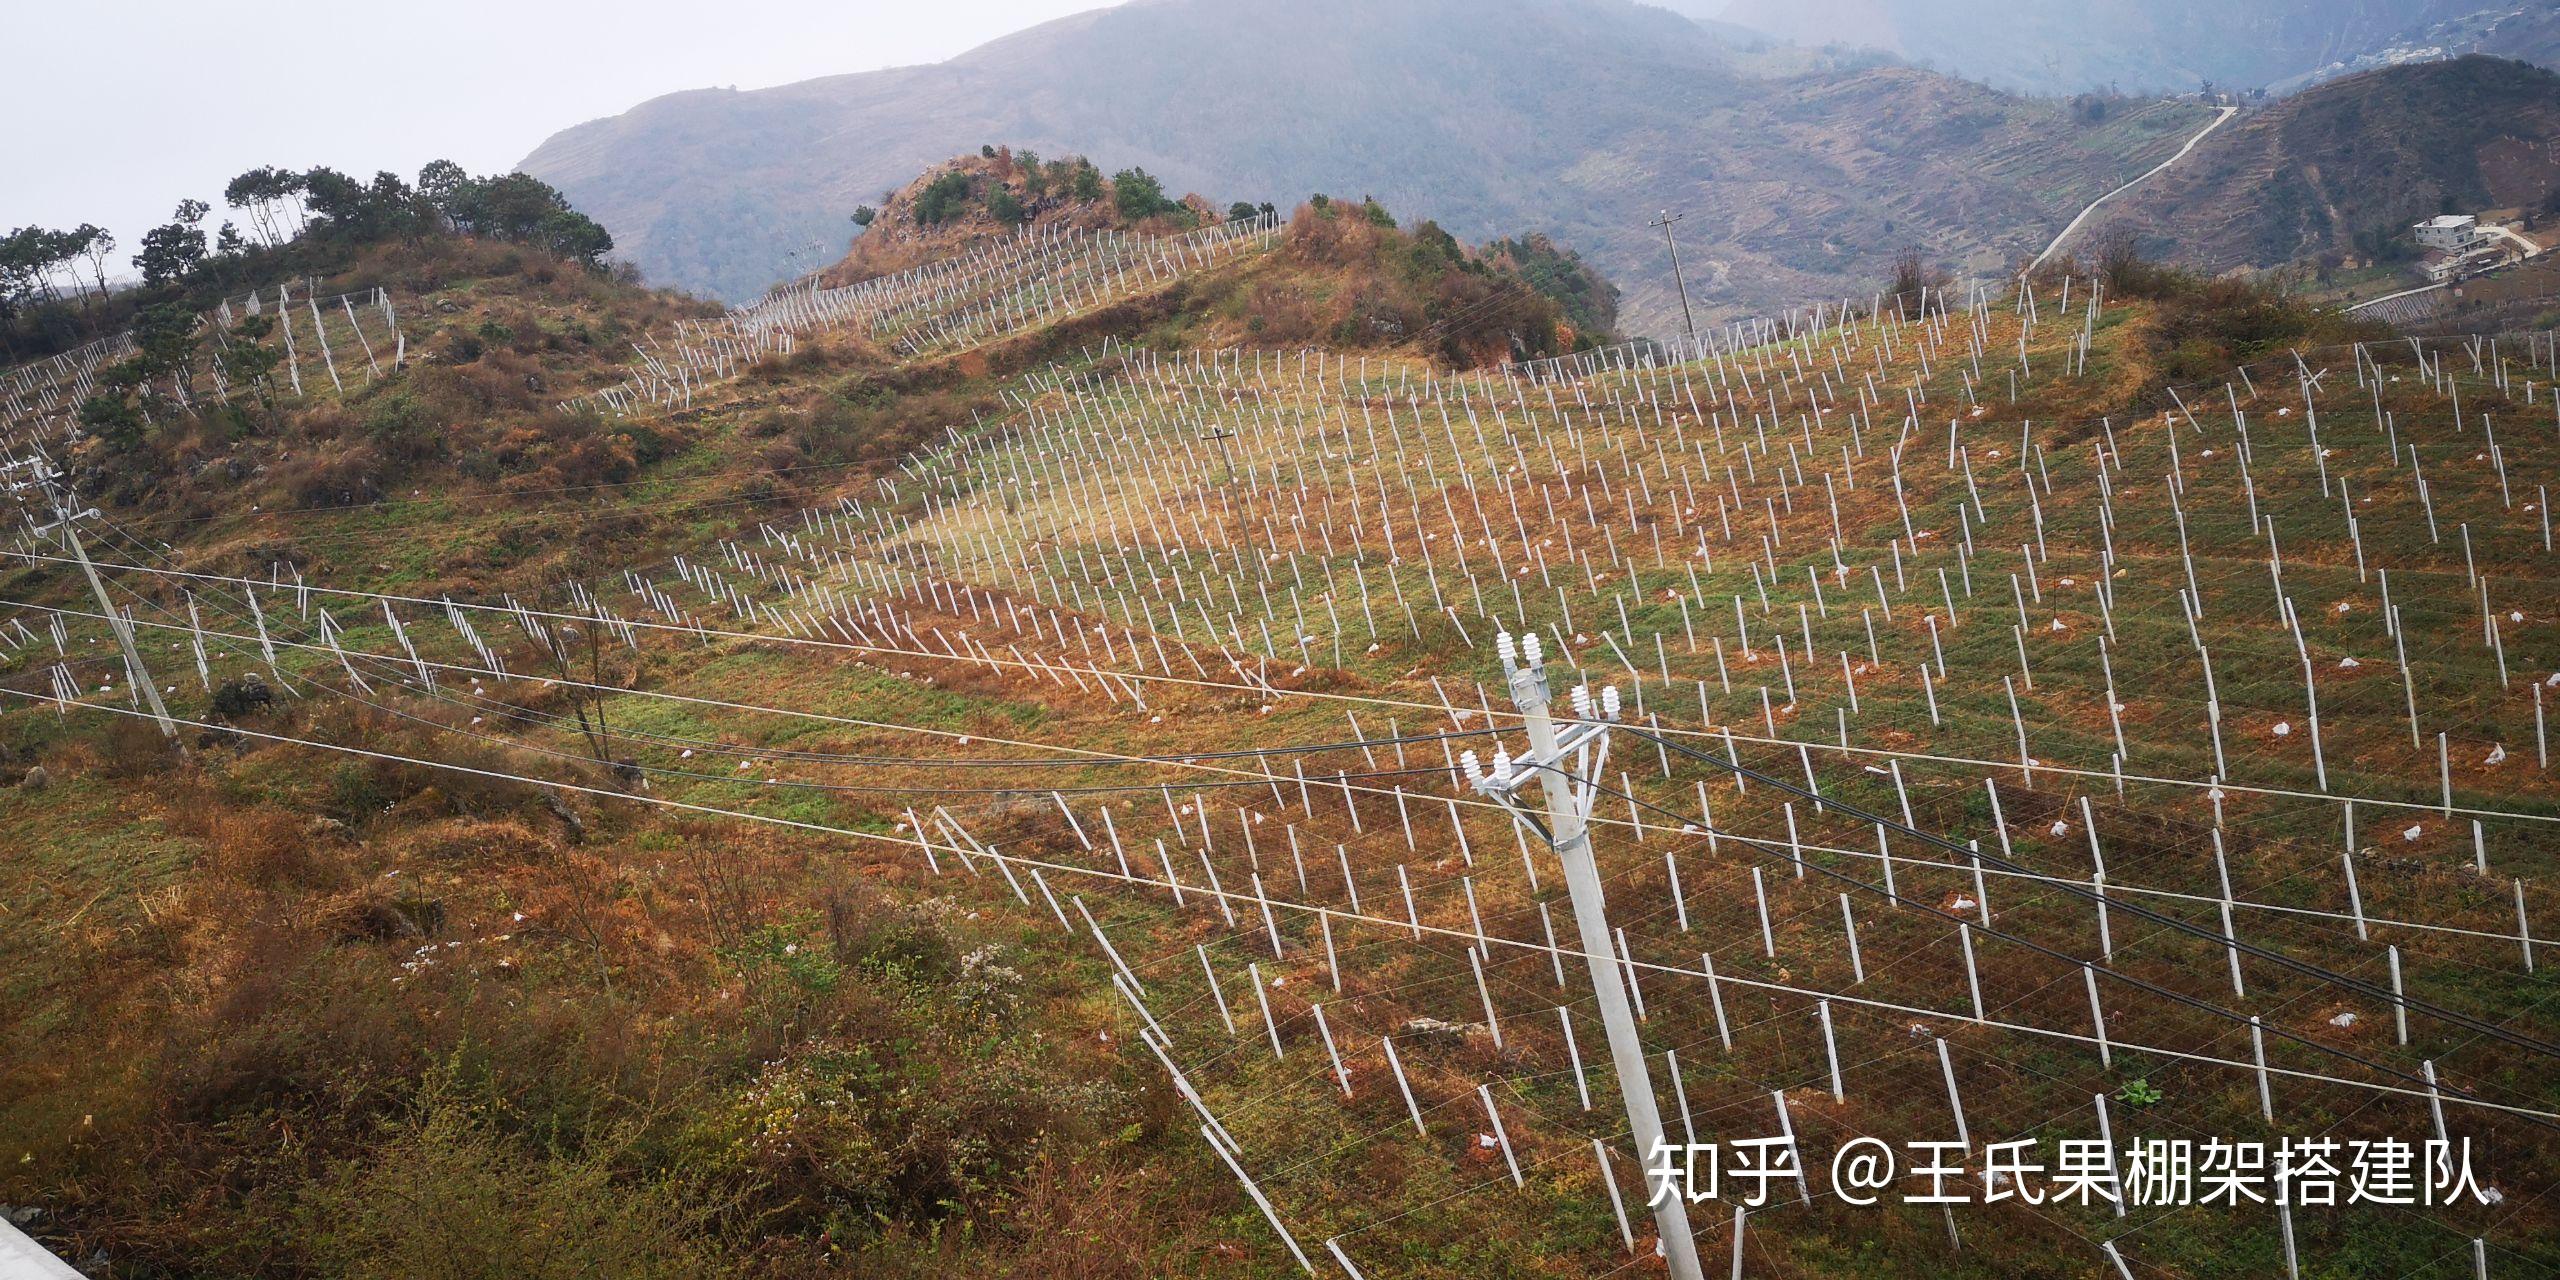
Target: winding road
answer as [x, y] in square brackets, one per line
[2067, 232]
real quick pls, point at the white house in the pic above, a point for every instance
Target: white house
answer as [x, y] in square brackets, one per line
[2450, 233]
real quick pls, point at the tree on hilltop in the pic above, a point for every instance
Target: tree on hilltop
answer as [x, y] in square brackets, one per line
[1137, 194]
[1005, 207]
[175, 248]
[94, 243]
[266, 194]
[943, 198]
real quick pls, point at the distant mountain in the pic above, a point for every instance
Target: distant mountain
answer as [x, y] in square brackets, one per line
[2346, 166]
[1801, 175]
[2072, 46]
[2527, 31]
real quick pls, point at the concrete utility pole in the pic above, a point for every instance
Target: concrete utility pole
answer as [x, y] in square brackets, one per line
[68, 520]
[1688, 323]
[1583, 748]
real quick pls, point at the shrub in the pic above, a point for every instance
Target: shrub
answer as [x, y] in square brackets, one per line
[401, 427]
[452, 1198]
[943, 198]
[237, 698]
[852, 1136]
[135, 748]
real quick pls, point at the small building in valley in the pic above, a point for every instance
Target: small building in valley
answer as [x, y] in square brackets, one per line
[2448, 233]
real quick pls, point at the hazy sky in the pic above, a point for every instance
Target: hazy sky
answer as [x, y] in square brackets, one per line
[118, 108]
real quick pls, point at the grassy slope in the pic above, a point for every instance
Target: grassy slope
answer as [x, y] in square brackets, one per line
[328, 985]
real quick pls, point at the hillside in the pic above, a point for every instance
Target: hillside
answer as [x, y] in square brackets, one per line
[2525, 30]
[2342, 169]
[2136, 46]
[982, 795]
[953, 769]
[1579, 119]
[2529, 33]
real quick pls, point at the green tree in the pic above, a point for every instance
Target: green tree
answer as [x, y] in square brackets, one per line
[30, 256]
[338, 200]
[248, 359]
[863, 215]
[267, 194]
[94, 243]
[1137, 194]
[509, 207]
[173, 250]
[943, 198]
[166, 335]
[110, 415]
[440, 185]
[1084, 181]
[1004, 207]
[151, 385]
[574, 235]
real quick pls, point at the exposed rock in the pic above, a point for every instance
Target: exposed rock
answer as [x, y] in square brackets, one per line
[36, 779]
[1435, 1029]
[568, 817]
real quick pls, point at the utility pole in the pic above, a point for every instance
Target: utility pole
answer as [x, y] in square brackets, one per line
[1235, 522]
[1583, 750]
[1688, 322]
[68, 520]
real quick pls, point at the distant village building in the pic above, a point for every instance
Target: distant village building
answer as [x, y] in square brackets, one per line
[2448, 232]
[2455, 246]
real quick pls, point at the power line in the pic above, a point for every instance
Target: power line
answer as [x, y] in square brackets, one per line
[699, 630]
[2547, 1118]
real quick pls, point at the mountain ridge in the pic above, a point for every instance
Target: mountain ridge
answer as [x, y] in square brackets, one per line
[1803, 173]
[2139, 45]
